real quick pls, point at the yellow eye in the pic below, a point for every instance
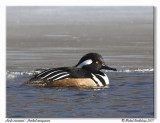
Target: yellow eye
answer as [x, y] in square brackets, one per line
[97, 62]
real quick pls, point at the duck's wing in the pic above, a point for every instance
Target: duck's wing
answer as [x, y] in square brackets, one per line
[49, 75]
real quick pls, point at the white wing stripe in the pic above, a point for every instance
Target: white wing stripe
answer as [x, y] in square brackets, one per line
[97, 80]
[44, 72]
[61, 76]
[56, 75]
[50, 74]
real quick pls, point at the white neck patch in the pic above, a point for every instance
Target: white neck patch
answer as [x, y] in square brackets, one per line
[86, 62]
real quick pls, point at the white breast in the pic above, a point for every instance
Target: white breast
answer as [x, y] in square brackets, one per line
[103, 77]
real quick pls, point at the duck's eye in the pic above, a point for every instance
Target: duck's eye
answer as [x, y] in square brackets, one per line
[97, 62]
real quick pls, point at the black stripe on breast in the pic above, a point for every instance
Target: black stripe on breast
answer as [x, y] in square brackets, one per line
[96, 82]
[94, 77]
[101, 79]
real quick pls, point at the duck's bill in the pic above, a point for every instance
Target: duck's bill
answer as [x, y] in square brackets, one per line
[108, 68]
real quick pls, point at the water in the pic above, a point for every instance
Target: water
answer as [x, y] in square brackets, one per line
[48, 37]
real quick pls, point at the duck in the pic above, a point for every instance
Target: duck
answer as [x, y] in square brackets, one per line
[87, 73]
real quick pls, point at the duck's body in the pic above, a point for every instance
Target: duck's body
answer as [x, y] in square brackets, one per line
[85, 74]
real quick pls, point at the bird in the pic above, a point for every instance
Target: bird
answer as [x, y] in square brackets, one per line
[87, 73]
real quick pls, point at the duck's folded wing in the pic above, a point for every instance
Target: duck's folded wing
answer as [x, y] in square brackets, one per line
[49, 75]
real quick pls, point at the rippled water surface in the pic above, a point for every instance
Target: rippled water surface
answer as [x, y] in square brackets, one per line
[129, 95]
[47, 37]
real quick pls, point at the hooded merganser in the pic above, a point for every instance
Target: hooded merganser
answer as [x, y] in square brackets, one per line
[85, 74]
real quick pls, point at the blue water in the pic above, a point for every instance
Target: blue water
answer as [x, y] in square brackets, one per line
[130, 95]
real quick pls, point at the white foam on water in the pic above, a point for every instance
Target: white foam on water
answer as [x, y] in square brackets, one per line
[138, 70]
[14, 74]
[127, 70]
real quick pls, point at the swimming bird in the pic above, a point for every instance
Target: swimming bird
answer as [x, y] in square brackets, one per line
[85, 74]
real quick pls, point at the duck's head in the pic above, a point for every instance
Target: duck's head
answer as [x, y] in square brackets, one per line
[93, 62]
